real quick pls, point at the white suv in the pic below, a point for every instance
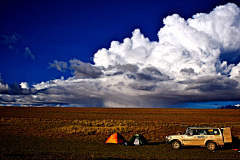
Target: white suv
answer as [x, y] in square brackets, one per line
[201, 136]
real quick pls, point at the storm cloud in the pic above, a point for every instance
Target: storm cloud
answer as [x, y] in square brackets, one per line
[191, 62]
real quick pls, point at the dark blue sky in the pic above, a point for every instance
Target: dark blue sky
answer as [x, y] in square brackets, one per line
[63, 30]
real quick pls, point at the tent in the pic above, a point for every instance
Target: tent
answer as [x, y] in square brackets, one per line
[115, 138]
[137, 140]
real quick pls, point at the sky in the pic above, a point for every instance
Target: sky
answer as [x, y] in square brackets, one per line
[112, 53]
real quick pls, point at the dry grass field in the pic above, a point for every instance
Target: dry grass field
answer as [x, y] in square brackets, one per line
[80, 133]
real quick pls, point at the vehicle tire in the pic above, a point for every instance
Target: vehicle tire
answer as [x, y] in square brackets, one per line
[176, 145]
[211, 146]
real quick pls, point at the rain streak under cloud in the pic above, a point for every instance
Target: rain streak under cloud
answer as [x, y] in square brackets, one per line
[193, 61]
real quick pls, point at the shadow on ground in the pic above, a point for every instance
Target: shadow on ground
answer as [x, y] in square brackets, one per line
[155, 143]
[234, 145]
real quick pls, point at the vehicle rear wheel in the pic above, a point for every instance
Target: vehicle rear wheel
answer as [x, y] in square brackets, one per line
[176, 145]
[211, 146]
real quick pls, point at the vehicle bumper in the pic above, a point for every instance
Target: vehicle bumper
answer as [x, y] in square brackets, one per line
[167, 141]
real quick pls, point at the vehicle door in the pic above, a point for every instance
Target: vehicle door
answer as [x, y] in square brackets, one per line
[214, 134]
[227, 135]
[187, 138]
[199, 136]
[194, 137]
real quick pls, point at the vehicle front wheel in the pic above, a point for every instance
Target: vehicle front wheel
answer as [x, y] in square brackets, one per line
[176, 145]
[211, 146]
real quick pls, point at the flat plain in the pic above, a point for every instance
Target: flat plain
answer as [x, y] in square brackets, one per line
[80, 133]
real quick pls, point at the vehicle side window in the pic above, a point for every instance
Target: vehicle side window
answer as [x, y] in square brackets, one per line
[190, 132]
[216, 132]
[213, 132]
[195, 132]
[202, 131]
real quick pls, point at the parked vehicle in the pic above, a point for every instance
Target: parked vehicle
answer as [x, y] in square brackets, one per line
[201, 136]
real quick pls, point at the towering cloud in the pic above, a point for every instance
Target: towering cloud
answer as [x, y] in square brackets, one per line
[191, 62]
[196, 44]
